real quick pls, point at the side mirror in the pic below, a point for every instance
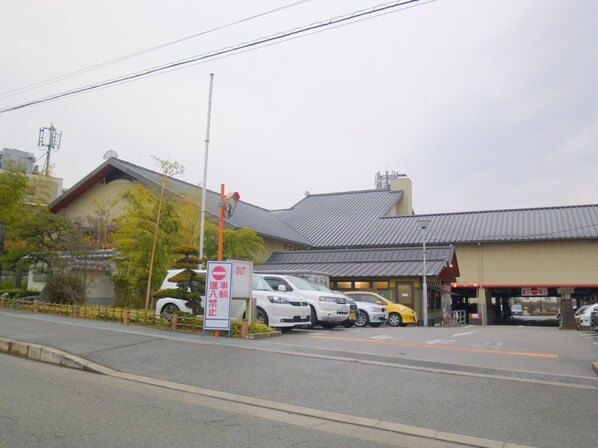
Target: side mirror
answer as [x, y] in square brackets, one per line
[282, 288]
[379, 302]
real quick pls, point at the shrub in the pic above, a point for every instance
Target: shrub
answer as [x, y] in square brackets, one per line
[65, 288]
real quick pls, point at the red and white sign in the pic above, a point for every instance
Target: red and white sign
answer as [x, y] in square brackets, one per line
[218, 298]
[534, 292]
[219, 272]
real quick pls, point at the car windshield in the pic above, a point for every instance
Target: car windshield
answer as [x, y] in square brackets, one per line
[259, 284]
[382, 299]
[301, 284]
[323, 288]
[581, 309]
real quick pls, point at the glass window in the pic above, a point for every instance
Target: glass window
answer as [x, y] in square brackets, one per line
[344, 285]
[301, 284]
[381, 285]
[260, 284]
[276, 282]
[362, 285]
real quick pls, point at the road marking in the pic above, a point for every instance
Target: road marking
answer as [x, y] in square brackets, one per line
[382, 337]
[443, 347]
[441, 341]
[465, 334]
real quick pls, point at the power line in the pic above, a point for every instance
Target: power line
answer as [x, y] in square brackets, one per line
[334, 22]
[46, 82]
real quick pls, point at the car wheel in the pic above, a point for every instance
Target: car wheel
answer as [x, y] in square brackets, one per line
[395, 320]
[168, 310]
[261, 316]
[362, 319]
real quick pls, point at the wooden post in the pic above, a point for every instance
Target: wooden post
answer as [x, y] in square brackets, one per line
[244, 329]
[36, 306]
[175, 321]
[2, 302]
[76, 311]
[126, 316]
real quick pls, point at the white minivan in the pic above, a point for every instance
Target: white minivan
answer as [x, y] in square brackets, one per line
[328, 309]
[273, 308]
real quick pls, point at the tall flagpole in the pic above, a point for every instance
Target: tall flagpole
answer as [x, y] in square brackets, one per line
[205, 175]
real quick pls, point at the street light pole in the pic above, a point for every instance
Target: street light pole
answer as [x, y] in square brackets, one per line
[424, 222]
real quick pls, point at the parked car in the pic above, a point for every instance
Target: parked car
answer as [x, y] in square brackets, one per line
[576, 312]
[328, 309]
[517, 310]
[370, 314]
[278, 309]
[353, 310]
[273, 308]
[582, 319]
[398, 314]
[594, 320]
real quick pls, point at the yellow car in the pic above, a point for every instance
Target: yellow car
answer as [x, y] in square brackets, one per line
[398, 315]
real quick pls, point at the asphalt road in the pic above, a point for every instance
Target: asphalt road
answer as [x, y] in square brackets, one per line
[526, 386]
[48, 406]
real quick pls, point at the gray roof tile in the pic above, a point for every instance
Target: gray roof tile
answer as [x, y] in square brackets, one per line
[246, 215]
[357, 219]
[362, 263]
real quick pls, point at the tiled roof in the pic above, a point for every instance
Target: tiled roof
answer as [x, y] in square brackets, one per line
[357, 219]
[246, 215]
[362, 218]
[336, 218]
[362, 263]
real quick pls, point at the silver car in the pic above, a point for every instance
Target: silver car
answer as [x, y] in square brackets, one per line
[369, 313]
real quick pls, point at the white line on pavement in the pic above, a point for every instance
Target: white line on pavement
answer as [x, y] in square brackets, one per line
[466, 333]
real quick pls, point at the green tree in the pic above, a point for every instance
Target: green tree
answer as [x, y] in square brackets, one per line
[169, 168]
[54, 246]
[136, 239]
[14, 210]
[242, 244]
[13, 188]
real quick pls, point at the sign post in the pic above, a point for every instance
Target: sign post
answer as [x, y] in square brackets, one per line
[218, 298]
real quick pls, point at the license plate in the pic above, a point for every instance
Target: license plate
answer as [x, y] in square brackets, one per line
[352, 316]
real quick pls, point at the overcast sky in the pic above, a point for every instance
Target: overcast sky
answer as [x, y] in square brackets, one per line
[484, 104]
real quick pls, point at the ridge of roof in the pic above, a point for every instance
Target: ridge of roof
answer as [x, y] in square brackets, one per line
[477, 212]
[338, 193]
[189, 184]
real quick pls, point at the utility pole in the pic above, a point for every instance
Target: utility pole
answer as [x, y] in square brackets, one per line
[52, 137]
[205, 175]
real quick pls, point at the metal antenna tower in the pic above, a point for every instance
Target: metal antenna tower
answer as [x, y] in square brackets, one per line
[48, 138]
[383, 180]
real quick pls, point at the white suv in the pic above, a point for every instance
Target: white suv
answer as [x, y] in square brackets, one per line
[327, 309]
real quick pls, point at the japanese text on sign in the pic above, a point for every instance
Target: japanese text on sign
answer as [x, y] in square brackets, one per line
[217, 309]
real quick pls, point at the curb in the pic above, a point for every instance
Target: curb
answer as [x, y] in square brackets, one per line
[52, 355]
[271, 334]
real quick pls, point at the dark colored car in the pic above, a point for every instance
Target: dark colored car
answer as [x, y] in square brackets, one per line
[350, 321]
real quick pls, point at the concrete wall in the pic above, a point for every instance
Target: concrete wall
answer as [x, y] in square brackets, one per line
[405, 205]
[529, 263]
[102, 193]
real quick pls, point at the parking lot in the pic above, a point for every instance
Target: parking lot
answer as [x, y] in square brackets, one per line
[532, 349]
